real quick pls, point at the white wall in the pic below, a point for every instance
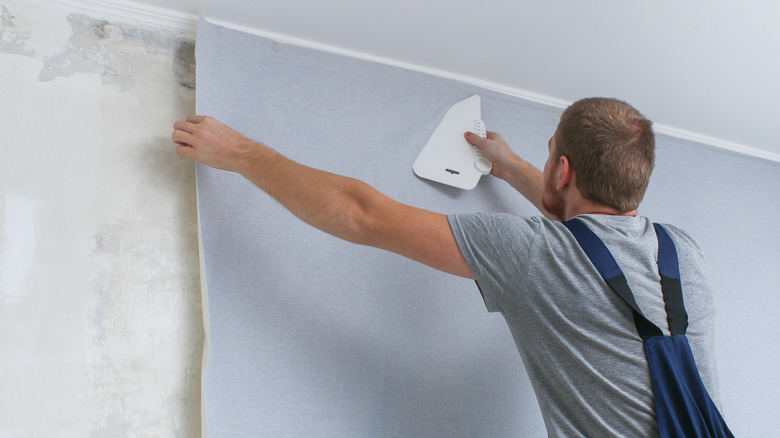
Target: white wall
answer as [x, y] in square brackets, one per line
[100, 309]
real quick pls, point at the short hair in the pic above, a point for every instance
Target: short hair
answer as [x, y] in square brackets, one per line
[611, 147]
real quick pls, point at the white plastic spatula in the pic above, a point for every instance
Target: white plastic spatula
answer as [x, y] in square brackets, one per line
[447, 157]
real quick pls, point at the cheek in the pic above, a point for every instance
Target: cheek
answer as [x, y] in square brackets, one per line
[546, 170]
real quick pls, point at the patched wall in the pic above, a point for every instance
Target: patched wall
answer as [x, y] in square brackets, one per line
[100, 308]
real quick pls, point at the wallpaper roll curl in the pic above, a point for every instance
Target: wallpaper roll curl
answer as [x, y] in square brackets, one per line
[313, 336]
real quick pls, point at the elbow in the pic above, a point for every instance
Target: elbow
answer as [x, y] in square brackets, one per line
[359, 218]
[354, 225]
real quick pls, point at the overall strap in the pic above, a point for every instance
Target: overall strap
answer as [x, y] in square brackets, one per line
[671, 287]
[668, 267]
[602, 259]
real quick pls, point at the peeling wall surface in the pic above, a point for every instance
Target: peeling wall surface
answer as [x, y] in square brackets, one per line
[100, 311]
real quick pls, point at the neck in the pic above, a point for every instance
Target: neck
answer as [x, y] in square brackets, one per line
[590, 207]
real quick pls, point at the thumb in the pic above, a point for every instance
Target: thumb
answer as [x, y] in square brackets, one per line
[475, 140]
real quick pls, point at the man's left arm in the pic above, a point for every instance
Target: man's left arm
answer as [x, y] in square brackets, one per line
[344, 207]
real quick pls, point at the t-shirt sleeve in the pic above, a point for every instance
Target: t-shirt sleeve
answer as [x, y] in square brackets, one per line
[496, 247]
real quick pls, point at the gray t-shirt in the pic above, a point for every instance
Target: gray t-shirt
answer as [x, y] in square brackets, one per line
[575, 335]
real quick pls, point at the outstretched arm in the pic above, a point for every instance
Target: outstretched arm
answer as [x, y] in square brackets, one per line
[342, 206]
[520, 174]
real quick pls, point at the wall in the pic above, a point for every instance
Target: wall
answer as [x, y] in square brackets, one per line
[100, 309]
[99, 295]
[312, 336]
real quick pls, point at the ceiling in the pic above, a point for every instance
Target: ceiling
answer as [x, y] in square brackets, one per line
[704, 70]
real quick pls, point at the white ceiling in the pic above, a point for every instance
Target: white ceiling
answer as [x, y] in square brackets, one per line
[706, 70]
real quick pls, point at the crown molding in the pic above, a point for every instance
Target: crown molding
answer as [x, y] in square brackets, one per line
[716, 143]
[126, 10]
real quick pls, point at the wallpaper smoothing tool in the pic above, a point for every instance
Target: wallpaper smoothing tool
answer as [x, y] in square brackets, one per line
[447, 157]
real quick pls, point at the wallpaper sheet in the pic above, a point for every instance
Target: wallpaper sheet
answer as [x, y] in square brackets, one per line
[312, 336]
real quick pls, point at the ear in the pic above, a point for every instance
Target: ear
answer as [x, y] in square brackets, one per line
[566, 175]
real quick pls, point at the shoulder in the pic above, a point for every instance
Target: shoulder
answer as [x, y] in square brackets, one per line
[496, 219]
[679, 234]
[683, 241]
[493, 225]
[494, 238]
[506, 228]
[499, 237]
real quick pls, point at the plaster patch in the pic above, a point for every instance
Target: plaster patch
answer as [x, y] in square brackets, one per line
[12, 40]
[184, 64]
[115, 51]
[83, 53]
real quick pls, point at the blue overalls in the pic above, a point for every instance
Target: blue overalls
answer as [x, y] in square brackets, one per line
[683, 407]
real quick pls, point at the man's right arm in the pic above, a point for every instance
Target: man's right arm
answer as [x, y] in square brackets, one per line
[344, 207]
[520, 174]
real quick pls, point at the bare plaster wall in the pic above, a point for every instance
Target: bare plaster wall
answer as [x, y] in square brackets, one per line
[100, 310]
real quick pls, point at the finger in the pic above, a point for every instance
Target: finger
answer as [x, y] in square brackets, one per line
[196, 119]
[184, 151]
[474, 139]
[182, 137]
[185, 126]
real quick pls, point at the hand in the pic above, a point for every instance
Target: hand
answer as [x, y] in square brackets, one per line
[496, 150]
[209, 141]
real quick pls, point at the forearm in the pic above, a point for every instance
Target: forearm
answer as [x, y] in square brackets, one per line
[526, 179]
[333, 203]
[507, 165]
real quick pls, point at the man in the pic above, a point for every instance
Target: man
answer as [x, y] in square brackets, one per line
[576, 337]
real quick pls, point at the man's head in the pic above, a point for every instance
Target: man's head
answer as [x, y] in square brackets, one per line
[611, 148]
